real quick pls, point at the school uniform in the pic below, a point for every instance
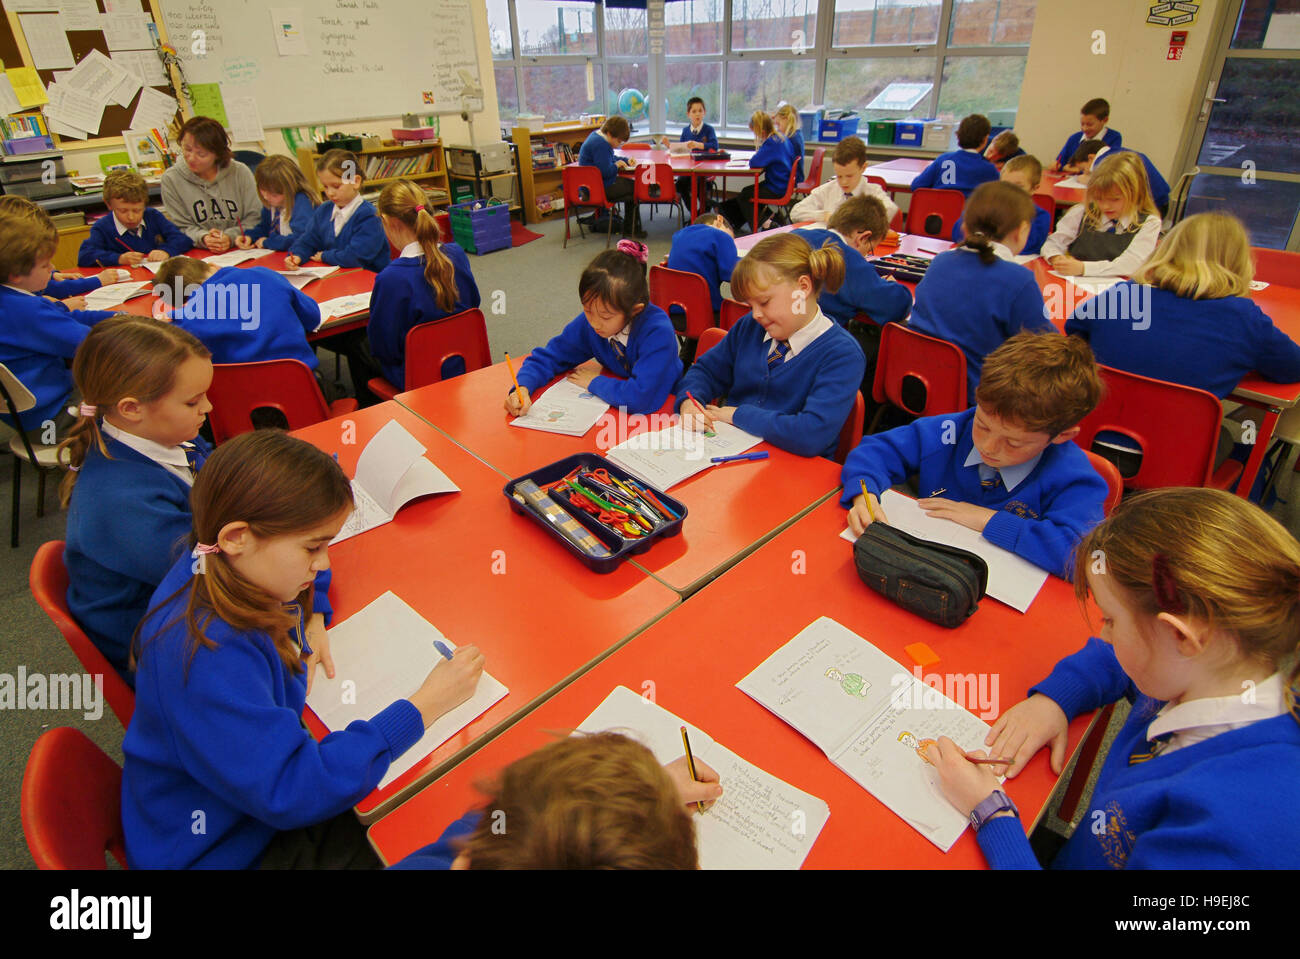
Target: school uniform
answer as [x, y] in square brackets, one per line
[63, 289]
[709, 137]
[978, 306]
[773, 157]
[962, 170]
[1108, 136]
[1044, 506]
[1038, 231]
[443, 852]
[795, 394]
[403, 299]
[1210, 344]
[645, 352]
[864, 290]
[109, 239]
[349, 236]
[1110, 248]
[596, 151]
[1159, 185]
[795, 142]
[277, 231]
[708, 251]
[222, 732]
[1205, 784]
[827, 198]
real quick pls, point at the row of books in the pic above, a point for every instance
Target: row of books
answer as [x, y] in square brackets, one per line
[548, 156]
[378, 168]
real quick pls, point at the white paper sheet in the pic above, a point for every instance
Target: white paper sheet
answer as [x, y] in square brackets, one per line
[63, 130]
[107, 297]
[144, 64]
[287, 26]
[344, 306]
[307, 274]
[26, 6]
[236, 257]
[154, 109]
[8, 99]
[77, 14]
[102, 80]
[127, 31]
[664, 458]
[564, 408]
[241, 112]
[47, 41]
[74, 108]
[1071, 183]
[1090, 284]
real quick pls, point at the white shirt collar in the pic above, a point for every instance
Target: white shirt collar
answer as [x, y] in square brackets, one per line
[341, 216]
[802, 339]
[1012, 476]
[412, 249]
[1000, 250]
[122, 229]
[171, 458]
[285, 227]
[1101, 135]
[1200, 719]
[622, 336]
[16, 289]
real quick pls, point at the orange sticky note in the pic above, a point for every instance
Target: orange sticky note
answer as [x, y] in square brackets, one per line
[921, 654]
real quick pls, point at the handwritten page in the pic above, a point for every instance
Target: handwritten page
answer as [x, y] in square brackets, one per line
[385, 652]
[343, 306]
[235, 257]
[107, 297]
[750, 827]
[664, 458]
[307, 274]
[153, 109]
[564, 408]
[872, 718]
[47, 40]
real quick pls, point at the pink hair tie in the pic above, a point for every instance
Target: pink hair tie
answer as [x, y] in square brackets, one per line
[420, 208]
[637, 251]
[85, 410]
[202, 549]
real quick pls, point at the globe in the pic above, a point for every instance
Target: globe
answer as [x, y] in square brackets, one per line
[631, 102]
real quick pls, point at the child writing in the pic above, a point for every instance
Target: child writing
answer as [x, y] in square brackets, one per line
[211, 197]
[428, 281]
[1008, 465]
[964, 168]
[697, 135]
[598, 151]
[1114, 231]
[787, 371]
[346, 231]
[620, 328]
[290, 201]
[789, 126]
[223, 667]
[975, 295]
[849, 161]
[1093, 117]
[772, 156]
[1199, 594]
[67, 287]
[132, 232]
[1005, 146]
[1025, 172]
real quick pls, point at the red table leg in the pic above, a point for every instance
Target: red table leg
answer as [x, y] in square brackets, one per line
[1263, 439]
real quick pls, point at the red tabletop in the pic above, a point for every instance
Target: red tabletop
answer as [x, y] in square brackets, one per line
[484, 575]
[1064, 196]
[684, 164]
[898, 174]
[696, 654]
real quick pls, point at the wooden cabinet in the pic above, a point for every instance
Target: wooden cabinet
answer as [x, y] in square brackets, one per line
[550, 181]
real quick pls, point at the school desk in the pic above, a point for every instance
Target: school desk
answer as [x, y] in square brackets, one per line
[908, 243]
[683, 164]
[691, 660]
[481, 574]
[1063, 195]
[898, 174]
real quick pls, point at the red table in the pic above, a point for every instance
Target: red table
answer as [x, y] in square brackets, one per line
[482, 575]
[683, 164]
[898, 174]
[696, 654]
[1064, 196]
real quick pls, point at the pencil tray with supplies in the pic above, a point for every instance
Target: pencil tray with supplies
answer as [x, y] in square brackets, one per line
[600, 512]
[940, 583]
[710, 155]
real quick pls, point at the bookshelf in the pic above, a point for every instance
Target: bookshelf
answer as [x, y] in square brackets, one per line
[568, 135]
[427, 154]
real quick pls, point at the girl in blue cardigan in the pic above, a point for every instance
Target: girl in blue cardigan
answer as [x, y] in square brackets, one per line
[224, 669]
[621, 329]
[344, 232]
[290, 202]
[771, 155]
[1199, 593]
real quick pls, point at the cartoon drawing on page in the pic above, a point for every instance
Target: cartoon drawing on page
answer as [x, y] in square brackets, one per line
[911, 742]
[851, 683]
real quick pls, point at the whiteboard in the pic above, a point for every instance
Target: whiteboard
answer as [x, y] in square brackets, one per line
[365, 59]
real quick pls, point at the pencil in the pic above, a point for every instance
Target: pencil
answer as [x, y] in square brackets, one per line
[690, 762]
[988, 762]
[511, 367]
[867, 496]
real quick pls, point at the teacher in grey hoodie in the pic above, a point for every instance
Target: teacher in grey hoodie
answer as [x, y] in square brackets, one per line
[209, 196]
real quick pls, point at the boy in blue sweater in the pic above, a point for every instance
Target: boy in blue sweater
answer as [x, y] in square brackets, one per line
[706, 247]
[1093, 117]
[132, 232]
[697, 135]
[1008, 465]
[856, 226]
[1025, 172]
[964, 168]
[346, 231]
[598, 151]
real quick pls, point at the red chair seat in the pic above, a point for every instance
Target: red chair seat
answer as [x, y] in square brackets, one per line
[71, 803]
[430, 346]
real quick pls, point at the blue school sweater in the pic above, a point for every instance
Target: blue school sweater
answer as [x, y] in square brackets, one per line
[799, 405]
[963, 301]
[706, 250]
[958, 170]
[36, 337]
[597, 152]
[1227, 802]
[795, 142]
[62, 289]
[222, 733]
[774, 157]
[1111, 138]
[268, 227]
[443, 852]
[403, 299]
[1042, 519]
[707, 136]
[361, 242]
[1039, 231]
[864, 290]
[101, 247]
[652, 367]
[1208, 344]
[247, 314]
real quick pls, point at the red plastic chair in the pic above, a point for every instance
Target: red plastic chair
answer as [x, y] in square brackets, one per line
[690, 291]
[782, 203]
[1114, 482]
[731, 312]
[429, 346]
[908, 359]
[48, 578]
[927, 205]
[583, 187]
[444, 229]
[709, 339]
[655, 185]
[1276, 266]
[851, 431]
[1142, 410]
[814, 178]
[896, 224]
[1047, 202]
[285, 385]
[72, 803]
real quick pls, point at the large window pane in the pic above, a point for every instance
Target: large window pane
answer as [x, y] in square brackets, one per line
[764, 85]
[1268, 25]
[499, 29]
[627, 92]
[866, 22]
[547, 27]
[693, 27]
[1258, 119]
[692, 79]
[987, 85]
[1267, 207]
[507, 92]
[984, 23]
[560, 93]
[853, 83]
[625, 33]
[773, 24]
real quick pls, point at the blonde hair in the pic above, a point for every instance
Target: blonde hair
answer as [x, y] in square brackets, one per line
[788, 117]
[342, 163]
[25, 237]
[125, 185]
[1205, 257]
[789, 257]
[762, 125]
[1029, 165]
[279, 174]
[18, 205]
[1125, 174]
[405, 202]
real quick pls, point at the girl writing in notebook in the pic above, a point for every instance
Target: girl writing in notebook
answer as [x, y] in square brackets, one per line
[223, 673]
[1115, 230]
[290, 202]
[1199, 593]
[620, 329]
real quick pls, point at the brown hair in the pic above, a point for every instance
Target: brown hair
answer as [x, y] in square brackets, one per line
[125, 185]
[1029, 164]
[405, 202]
[1204, 257]
[19, 205]
[617, 127]
[709, 219]
[789, 257]
[995, 210]
[1006, 143]
[1123, 172]
[344, 164]
[122, 356]
[850, 150]
[1087, 148]
[761, 124]
[1223, 561]
[1096, 107]
[860, 214]
[616, 278]
[972, 130]
[190, 269]
[589, 801]
[279, 174]
[1045, 382]
[25, 237]
[211, 135]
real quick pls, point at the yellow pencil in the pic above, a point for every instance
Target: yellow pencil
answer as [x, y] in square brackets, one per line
[690, 762]
[511, 367]
[867, 497]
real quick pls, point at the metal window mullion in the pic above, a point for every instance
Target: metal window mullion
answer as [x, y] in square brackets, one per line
[825, 33]
[941, 52]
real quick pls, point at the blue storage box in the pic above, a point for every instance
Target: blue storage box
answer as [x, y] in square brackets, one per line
[811, 121]
[908, 133]
[479, 227]
[833, 131]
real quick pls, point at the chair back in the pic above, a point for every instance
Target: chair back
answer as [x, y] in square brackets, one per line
[1114, 482]
[72, 803]
[636, 146]
[709, 339]
[934, 212]
[690, 291]
[851, 431]
[240, 388]
[1046, 202]
[15, 398]
[441, 349]
[731, 312]
[1276, 266]
[654, 183]
[583, 186]
[910, 363]
[814, 179]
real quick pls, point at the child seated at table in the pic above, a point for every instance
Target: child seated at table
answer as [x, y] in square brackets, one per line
[290, 202]
[223, 669]
[1199, 593]
[591, 801]
[1008, 465]
[706, 247]
[132, 231]
[697, 135]
[964, 168]
[788, 373]
[1092, 152]
[1093, 117]
[1025, 172]
[346, 231]
[789, 126]
[772, 156]
[1115, 230]
[1003, 147]
[621, 329]
[598, 151]
[66, 287]
[849, 161]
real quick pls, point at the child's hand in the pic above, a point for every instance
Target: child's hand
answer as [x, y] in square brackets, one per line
[449, 684]
[720, 414]
[865, 511]
[1027, 727]
[964, 784]
[967, 514]
[695, 417]
[243, 242]
[318, 256]
[72, 302]
[708, 790]
[1067, 265]
[319, 642]
[133, 258]
[261, 244]
[519, 402]
[60, 275]
[581, 377]
[109, 277]
[157, 256]
[292, 262]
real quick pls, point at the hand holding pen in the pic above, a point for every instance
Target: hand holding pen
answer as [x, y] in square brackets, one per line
[865, 511]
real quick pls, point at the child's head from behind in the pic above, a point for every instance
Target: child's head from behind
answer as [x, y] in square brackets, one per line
[1093, 116]
[1204, 257]
[862, 221]
[1195, 587]
[613, 289]
[190, 270]
[849, 160]
[406, 217]
[761, 125]
[973, 131]
[126, 194]
[617, 130]
[339, 172]
[1024, 171]
[786, 119]
[279, 179]
[27, 243]
[1118, 189]
[590, 801]
[997, 211]
[717, 221]
[695, 111]
[1005, 143]
[1034, 390]
[780, 279]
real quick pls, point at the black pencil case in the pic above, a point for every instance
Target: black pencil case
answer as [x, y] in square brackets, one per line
[940, 583]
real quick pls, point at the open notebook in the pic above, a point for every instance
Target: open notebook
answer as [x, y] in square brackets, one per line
[107, 297]
[760, 822]
[664, 458]
[564, 408]
[336, 309]
[384, 652]
[307, 274]
[870, 716]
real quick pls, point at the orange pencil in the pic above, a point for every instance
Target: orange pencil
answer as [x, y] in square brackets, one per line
[511, 367]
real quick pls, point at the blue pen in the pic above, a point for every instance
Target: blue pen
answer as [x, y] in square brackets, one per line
[760, 455]
[336, 457]
[439, 645]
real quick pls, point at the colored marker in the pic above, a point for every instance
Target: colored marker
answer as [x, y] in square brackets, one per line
[442, 647]
[690, 763]
[708, 419]
[336, 457]
[760, 455]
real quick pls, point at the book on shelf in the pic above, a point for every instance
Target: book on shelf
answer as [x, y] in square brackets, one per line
[381, 167]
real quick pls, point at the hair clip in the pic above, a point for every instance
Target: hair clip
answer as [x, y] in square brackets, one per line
[1164, 587]
[201, 549]
[638, 251]
[75, 469]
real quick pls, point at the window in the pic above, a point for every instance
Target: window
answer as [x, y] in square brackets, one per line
[503, 47]
[625, 33]
[987, 85]
[1267, 25]
[983, 23]
[773, 24]
[507, 92]
[693, 78]
[765, 85]
[560, 92]
[547, 27]
[853, 83]
[693, 27]
[870, 22]
[626, 86]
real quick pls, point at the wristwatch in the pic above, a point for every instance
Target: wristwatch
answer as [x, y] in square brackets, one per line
[997, 802]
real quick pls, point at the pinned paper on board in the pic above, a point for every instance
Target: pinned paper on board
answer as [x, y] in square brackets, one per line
[287, 25]
[207, 102]
[47, 40]
[28, 87]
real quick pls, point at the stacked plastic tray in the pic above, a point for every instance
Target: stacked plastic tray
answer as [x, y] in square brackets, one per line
[480, 227]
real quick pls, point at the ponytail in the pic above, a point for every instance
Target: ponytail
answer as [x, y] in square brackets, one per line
[826, 267]
[994, 211]
[404, 201]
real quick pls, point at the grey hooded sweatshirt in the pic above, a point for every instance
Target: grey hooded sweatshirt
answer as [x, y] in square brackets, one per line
[228, 203]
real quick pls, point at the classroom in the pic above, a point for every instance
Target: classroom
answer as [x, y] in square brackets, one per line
[921, 434]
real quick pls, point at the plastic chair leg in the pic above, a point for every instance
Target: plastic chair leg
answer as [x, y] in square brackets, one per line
[40, 493]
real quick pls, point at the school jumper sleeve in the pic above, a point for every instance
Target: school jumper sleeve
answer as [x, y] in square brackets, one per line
[99, 248]
[881, 460]
[306, 309]
[1278, 356]
[365, 244]
[299, 222]
[655, 368]
[62, 289]
[311, 241]
[250, 201]
[808, 431]
[1049, 541]
[390, 304]
[710, 376]
[263, 228]
[563, 352]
